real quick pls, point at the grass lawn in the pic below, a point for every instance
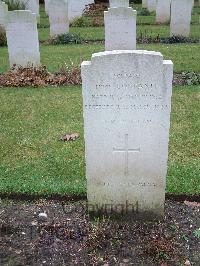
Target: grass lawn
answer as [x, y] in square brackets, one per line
[33, 161]
[97, 33]
[186, 57]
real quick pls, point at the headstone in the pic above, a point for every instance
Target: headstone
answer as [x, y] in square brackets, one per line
[127, 103]
[119, 3]
[144, 3]
[58, 17]
[151, 5]
[3, 12]
[181, 11]
[33, 6]
[22, 38]
[76, 8]
[120, 28]
[163, 11]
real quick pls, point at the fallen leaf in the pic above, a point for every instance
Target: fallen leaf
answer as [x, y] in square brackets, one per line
[187, 263]
[18, 251]
[189, 203]
[70, 137]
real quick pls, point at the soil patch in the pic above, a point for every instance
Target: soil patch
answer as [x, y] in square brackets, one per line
[69, 237]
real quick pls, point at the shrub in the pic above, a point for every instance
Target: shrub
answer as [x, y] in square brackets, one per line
[80, 22]
[88, 22]
[67, 38]
[144, 12]
[178, 39]
[191, 78]
[3, 40]
[95, 9]
[97, 22]
[15, 5]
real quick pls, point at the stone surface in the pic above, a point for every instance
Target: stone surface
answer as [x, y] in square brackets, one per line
[76, 8]
[163, 11]
[3, 12]
[181, 11]
[42, 216]
[58, 17]
[151, 5]
[120, 29]
[22, 38]
[127, 103]
[144, 3]
[34, 7]
[119, 3]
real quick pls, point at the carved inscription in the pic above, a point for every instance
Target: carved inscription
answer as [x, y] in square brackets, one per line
[140, 184]
[126, 92]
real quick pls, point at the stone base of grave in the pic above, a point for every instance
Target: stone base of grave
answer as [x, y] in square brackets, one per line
[125, 211]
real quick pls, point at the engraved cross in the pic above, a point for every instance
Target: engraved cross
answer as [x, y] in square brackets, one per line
[126, 150]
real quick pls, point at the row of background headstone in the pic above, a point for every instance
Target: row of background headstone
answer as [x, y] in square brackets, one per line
[120, 27]
[180, 11]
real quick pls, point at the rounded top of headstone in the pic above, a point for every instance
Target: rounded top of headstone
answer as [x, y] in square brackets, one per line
[119, 52]
[118, 56]
[21, 16]
[4, 6]
[119, 3]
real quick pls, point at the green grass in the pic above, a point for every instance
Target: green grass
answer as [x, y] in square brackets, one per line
[184, 152]
[33, 161]
[97, 33]
[186, 57]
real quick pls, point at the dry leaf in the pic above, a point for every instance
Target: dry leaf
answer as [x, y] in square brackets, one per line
[70, 137]
[39, 77]
[187, 263]
[189, 203]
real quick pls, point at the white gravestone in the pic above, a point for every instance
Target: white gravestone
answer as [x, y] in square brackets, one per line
[120, 28]
[163, 11]
[33, 6]
[181, 11]
[76, 8]
[58, 17]
[22, 38]
[119, 3]
[144, 3]
[127, 103]
[3, 12]
[151, 5]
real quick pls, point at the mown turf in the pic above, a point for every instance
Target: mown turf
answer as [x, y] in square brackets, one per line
[32, 158]
[97, 33]
[186, 57]
[33, 161]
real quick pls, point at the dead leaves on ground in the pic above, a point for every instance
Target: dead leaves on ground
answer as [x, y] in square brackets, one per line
[70, 137]
[192, 204]
[39, 77]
